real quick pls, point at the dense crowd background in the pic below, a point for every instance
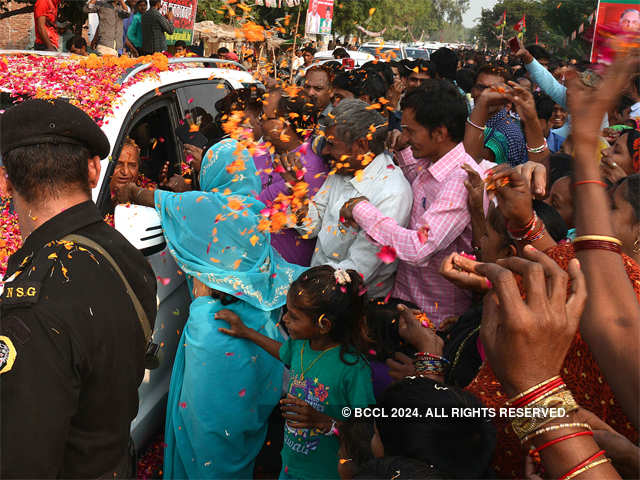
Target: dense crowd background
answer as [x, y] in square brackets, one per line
[462, 232]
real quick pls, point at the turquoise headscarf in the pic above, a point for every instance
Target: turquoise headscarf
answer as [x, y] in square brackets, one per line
[213, 234]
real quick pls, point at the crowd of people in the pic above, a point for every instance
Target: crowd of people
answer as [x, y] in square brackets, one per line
[454, 235]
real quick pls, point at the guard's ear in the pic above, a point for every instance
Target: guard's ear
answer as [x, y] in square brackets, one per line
[6, 188]
[94, 171]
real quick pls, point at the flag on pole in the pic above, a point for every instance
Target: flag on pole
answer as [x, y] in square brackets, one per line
[521, 26]
[502, 21]
[536, 39]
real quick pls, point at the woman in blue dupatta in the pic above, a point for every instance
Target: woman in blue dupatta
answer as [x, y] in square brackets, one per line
[223, 389]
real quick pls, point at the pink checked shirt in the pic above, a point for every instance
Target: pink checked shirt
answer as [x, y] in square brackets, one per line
[440, 203]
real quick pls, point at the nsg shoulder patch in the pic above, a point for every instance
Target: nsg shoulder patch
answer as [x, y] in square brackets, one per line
[8, 354]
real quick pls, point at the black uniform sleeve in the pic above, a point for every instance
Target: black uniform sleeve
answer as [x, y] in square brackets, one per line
[39, 394]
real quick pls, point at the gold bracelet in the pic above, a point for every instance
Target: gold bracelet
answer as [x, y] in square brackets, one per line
[604, 238]
[540, 431]
[587, 467]
[526, 392]
[526, 426]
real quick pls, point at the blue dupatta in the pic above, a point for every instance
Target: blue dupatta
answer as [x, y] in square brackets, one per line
[223, 389]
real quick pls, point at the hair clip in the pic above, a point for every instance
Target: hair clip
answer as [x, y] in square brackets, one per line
[342, 277]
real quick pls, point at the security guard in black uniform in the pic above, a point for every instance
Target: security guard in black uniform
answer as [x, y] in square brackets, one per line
[77, 295]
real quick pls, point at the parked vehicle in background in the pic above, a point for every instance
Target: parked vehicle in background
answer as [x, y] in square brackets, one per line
[415, 52]
[359, 57]
[385, 50]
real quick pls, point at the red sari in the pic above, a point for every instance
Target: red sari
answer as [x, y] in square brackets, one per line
[581, 374]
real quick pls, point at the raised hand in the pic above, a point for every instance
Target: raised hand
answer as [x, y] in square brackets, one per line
[526, 341]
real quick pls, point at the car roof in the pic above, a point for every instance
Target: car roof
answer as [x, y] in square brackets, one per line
[103, 86]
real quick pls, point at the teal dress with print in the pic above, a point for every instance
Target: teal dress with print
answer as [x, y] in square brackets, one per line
[328, 384]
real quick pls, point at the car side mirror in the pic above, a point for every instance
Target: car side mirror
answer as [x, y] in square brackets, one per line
[141, 226]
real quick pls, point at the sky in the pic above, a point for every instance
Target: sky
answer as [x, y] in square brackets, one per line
[475, 8]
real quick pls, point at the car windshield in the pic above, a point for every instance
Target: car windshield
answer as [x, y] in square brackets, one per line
[417, 53]
[377, 51]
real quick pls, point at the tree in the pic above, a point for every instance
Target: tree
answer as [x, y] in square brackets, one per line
[551, 20]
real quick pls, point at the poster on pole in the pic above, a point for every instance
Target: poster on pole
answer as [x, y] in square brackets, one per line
[184, 17]
[319, 17]
[625, 14]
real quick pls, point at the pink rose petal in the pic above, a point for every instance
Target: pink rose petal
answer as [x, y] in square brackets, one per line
[387, 254]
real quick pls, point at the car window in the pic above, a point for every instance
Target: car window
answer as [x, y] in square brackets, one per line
[150, 135]
[200, 105]
[417, 53]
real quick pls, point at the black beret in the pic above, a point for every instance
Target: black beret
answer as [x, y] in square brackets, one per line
[50, 121]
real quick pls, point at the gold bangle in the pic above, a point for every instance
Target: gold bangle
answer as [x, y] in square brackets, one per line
[587, 467]
[540, 431]
[604, 238]
[527, 392]
[524, 426]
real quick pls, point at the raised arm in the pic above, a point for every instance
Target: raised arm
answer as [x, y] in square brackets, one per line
[611, 321]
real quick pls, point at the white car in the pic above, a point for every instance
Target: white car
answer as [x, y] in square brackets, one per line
[359, 58]
[390, 50]
[152, 106]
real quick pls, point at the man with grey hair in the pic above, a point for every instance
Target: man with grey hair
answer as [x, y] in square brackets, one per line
[355, 151]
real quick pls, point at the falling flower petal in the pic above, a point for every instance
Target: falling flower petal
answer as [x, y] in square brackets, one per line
[387, 254]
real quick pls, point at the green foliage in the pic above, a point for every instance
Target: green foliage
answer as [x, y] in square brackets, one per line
[404, 20]
[552, 20]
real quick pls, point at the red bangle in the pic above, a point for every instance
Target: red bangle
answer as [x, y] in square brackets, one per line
[586, 462]
[537, 393]
[520, 232]
[595, 182]
[558, 440]
[596, 245]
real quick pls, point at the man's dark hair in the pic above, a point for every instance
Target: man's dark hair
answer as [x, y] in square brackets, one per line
[438, 103]
[457, 447]
[222, 51]
[544, 105]
[423, 66]
[446, 63]
[491, 69]
[297, 111]
[397, 467]
[43, 171]
[77, 41]
[348, 81]
[539, 53]
[323, 69]
[464, 79]
[181, 43]
[340, 53]
[310, 50]
[372, 85]
[153, 3]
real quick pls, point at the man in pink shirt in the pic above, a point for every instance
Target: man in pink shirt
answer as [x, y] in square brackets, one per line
[433, 120]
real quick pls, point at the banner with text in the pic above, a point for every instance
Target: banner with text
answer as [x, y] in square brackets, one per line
[319, 17]
[184, 17]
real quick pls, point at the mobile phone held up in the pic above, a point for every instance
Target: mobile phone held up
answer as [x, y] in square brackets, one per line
[514, 44]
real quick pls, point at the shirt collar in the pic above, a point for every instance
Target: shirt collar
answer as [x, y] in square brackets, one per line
[70, 220]
[372, 174]
[455, 158]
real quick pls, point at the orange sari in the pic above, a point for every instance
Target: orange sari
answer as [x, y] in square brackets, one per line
[581, 374]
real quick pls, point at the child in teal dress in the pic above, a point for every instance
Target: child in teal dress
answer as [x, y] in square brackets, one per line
[329, 376]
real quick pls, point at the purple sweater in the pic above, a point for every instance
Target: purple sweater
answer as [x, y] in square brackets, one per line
[292, 247]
